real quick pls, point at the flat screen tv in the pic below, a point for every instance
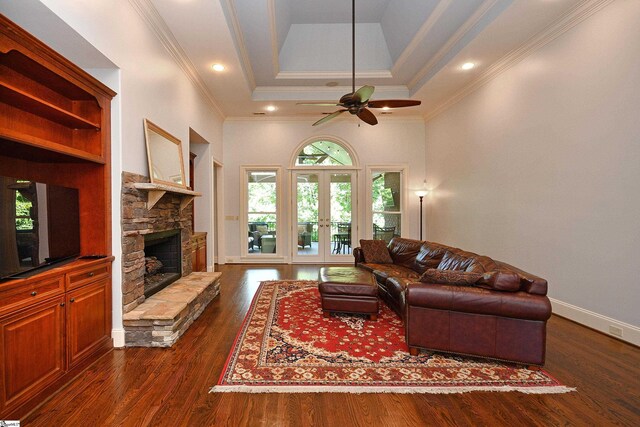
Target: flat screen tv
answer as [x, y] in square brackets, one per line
[39, 226]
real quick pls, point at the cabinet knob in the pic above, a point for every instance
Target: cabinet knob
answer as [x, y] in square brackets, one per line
[61, 304]
[72, 300]
[34, 293]
[91, 274]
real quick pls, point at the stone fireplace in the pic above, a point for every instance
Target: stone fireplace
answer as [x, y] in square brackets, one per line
[161, 296]
[165, 219]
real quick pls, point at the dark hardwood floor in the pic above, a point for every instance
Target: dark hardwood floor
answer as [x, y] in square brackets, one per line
[170, 387]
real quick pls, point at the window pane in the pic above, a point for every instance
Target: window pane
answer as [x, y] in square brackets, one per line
[385, 188]
[386, 226]
[326, 153]
[262, 192]
[261, 212]
[307, 191]
[340, 203]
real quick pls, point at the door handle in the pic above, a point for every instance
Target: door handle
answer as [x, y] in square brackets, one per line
[72, 300]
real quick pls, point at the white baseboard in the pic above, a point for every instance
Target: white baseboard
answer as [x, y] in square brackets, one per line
[629, 333]
[118, 337]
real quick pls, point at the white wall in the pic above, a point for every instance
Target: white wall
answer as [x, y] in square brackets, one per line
[541, 168]
[152, 85]
[273, 142]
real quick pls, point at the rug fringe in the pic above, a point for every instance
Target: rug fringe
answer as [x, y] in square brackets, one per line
[398, 390]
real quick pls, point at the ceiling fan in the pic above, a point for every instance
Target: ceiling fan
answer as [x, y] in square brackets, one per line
[358, 101]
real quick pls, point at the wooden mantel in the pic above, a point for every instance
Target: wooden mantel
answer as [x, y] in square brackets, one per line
[156, 191]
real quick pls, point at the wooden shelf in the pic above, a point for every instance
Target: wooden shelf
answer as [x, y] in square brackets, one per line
[28, 102]
[156, 191]
[35, 142]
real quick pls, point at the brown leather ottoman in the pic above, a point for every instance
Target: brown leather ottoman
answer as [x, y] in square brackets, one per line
[349, 290]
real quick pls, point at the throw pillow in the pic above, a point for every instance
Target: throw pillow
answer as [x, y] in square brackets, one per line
[375, 251]
[450, 277]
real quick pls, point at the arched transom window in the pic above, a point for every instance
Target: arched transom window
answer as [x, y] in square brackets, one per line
[323, 153]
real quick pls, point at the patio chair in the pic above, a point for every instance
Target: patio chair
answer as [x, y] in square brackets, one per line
[383, 233]
[305, 230]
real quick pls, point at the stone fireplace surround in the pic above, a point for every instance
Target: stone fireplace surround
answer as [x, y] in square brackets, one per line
[162, 318]
[137, 221]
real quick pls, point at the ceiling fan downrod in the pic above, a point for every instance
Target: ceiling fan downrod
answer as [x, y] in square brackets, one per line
[353, 46]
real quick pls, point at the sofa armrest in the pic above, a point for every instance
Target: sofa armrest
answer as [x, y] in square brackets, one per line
[358, 255]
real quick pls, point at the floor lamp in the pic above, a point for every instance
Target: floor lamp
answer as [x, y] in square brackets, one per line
[421, 194]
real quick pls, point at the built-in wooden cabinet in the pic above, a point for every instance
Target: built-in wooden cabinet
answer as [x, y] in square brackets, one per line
[55, 129]
[88, 318]
[44, 339]
[199, 254]
[33, 352]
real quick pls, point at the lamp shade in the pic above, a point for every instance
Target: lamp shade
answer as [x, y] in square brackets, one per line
[421, 193]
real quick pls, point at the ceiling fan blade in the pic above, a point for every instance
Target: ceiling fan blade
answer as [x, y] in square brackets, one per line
[393, 103]
[329, 117]
[363, 94]
[367, 117]
[321, 104]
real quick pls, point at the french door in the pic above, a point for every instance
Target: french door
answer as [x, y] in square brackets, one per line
[324, 215]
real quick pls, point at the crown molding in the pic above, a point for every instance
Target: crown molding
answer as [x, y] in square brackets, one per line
[572, 18]
[245, 61]
[150, 15]
[421, 35]
[468, 25]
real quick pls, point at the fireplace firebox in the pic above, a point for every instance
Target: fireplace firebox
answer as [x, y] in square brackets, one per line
[163, 260]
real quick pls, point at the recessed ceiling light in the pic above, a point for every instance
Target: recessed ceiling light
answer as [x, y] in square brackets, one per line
[270, 108]
[217, 67]
[468, 65]
[385, 108]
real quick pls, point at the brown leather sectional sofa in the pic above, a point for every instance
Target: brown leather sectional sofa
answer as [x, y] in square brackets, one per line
[501, 316]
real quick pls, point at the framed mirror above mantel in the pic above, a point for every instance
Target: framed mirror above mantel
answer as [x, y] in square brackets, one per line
[166, 167]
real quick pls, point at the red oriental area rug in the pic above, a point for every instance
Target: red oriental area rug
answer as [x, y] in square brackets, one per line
[286, 346]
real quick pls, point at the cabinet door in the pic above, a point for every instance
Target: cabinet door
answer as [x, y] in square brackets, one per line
[32, 351]
[88, 319]
[201, 256]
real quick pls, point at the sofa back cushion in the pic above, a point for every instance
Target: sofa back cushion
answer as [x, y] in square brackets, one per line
[375, 252]
[466, 261]
[404, 251]
[429, 256]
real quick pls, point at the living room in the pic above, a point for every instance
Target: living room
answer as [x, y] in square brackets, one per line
[531, 159]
